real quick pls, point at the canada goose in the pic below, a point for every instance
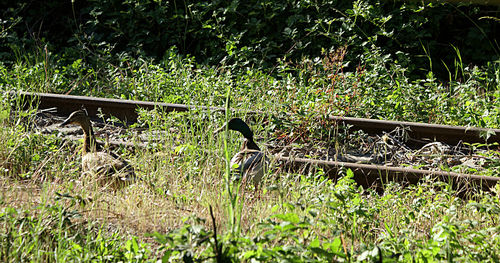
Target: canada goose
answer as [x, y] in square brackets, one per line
[108, 169]
[250, 162]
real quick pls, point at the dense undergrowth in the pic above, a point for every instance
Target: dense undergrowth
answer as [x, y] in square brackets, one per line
[352, 58]
[255, 33]
[299, 217]
[379, 87]
[367, 60]
[51, 213]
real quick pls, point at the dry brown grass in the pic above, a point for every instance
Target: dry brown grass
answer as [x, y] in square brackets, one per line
[170, 191]
[176, 184]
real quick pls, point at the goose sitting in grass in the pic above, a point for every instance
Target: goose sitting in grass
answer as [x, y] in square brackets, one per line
[250, 162]
[109, 170]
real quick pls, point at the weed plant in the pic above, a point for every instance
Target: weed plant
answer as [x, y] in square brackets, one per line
[185, 209]
[49, 215]
[378, 88]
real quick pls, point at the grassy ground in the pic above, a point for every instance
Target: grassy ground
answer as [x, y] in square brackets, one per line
[49, 212]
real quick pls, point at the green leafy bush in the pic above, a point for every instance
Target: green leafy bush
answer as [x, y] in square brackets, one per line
[255, 33]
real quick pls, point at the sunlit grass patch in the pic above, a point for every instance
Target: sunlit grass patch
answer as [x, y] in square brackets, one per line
[182, 170]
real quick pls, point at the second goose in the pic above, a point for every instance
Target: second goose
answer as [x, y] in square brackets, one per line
[109, 170]
[250, 162]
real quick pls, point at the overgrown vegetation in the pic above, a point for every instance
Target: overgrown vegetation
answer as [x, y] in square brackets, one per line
[255, 33]
[432, 62]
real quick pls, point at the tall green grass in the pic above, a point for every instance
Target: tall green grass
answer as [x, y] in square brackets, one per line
[47, 214]
[54, 231]
[378, 88]
[299, 218]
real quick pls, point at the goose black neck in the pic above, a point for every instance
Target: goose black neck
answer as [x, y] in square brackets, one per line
[252, 145]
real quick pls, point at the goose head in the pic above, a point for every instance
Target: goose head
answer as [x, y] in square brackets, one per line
[79, 117]
[237, 124]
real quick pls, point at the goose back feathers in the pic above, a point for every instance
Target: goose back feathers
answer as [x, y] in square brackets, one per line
[108, 169]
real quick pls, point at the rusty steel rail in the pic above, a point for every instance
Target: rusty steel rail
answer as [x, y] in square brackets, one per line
[365, 174]
[370, 175]
[126, 110]
[433, 132]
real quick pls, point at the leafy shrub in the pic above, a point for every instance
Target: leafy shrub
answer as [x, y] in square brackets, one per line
[258, 33]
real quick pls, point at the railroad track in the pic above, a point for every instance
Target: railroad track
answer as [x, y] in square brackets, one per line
[365, 174]
[126, 110]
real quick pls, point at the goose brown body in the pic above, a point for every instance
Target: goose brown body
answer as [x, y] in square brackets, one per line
[108, 169]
